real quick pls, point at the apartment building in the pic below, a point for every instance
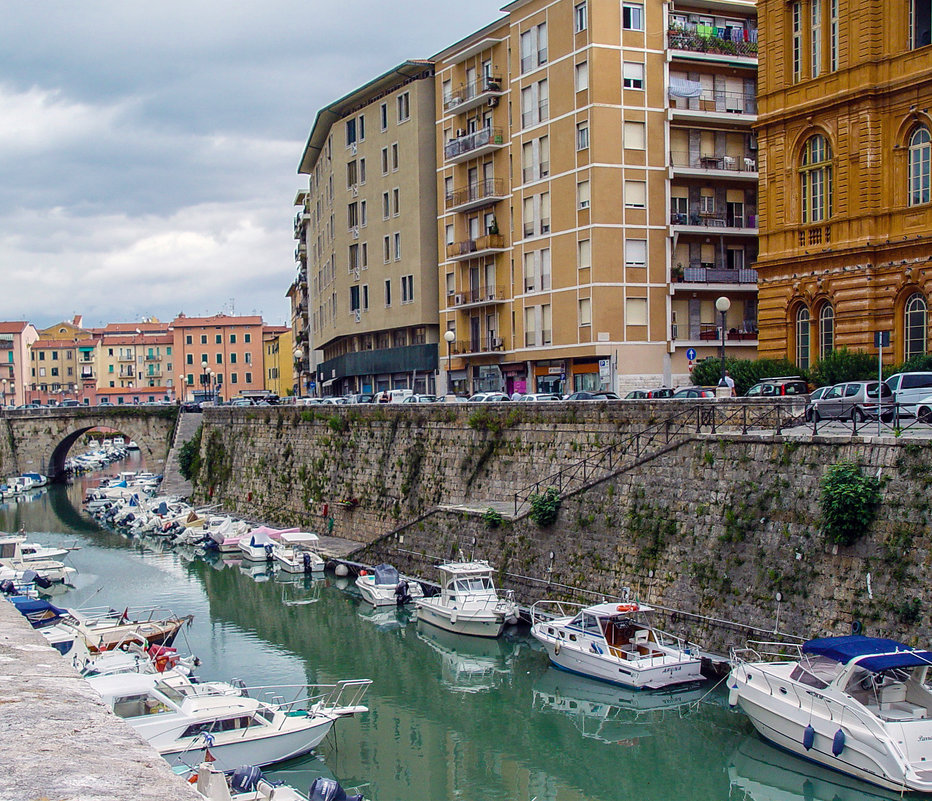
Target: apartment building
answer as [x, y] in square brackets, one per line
[303, 363]
[368, 235]
[845, 153]
[132, 356]
[219, 356]
[15, 340]
[54, 373]
[278, 360]
[597, 182]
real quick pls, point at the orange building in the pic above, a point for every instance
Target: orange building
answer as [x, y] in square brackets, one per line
[218, 356]
[845, 152]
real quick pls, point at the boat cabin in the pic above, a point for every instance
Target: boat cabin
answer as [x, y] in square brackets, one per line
[467, 580]
[623, 636]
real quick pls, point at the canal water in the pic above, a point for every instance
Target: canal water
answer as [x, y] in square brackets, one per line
[450, 717]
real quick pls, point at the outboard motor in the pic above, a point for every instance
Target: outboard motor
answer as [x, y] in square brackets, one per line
[31, 577]
[324, 789]
[307, 563]
[402, 596]
[7, 587]
[245, 779]
[268, 553]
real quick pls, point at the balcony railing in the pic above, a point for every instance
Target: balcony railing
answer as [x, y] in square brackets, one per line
[815, 235]
[717, 275]
[483, 138]
[679, 158]
[487, 345]
[721, 102]
[708, 39]
[482, 294]
[748, 221]
[490, 189]
[487, 85]
[464, 249]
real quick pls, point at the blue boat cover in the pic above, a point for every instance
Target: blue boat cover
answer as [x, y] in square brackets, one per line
[385, 574]
[33, 608]
[881, 653]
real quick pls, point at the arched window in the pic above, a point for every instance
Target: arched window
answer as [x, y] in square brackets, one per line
[815, 178]
[802, 338]
[920, 165]
[826, 330]
[915, 323]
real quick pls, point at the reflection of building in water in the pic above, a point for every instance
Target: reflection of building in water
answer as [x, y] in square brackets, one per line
[608, 712]
[760, 772]
[469, 664]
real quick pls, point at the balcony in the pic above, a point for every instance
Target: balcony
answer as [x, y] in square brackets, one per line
[467, 347]
[473, 145]
[483, 193]
[686, 165]
[127, 372]
[87, 374]
[814, 235]
[717, 275]
[712, 332]
[300, 252]
[731, 107]
[721, 224]
[126, 357]
[477, 297]
[153, 357]
[486, 90]
[708, 43]
[154, 372]
[476, 248]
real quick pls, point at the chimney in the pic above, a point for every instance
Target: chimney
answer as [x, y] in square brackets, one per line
[78, 321]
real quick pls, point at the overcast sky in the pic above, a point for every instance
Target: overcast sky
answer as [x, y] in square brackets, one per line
[149, 151]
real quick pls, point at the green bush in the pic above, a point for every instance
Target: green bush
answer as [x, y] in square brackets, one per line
[917, 364]
[745, 372]
[848, 502]
[189, 456]
[844, 365]
[545, 506]
[492, 518]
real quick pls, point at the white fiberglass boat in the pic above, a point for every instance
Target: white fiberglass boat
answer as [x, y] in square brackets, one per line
[468, 602]
[384, 586]
[856, 704]
[182, 719]
[294, 553]
[247, 783]
[11, 557]
[260, 541]
[611, 642]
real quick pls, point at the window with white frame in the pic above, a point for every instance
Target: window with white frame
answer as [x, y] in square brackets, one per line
[394, 156]
[833, 34]
[633, 75]
[802, 337]
[448, 233]
[580, 17]
[384, 161]
[920, 23]
[451, 284]
[386, 249]
[361, 127]
[397, 249]
[706, 201]
[396, 201]
[407, 289]
[535, 104]
[363, 214]
[582, 76]
[533, 44]
[635, 135]
[582, 195]
[636, 194]
[916, 312]
[816, 180]
[632, 16]
[796, 26]
[354, 299]
[404, 106]
[386, 206]
[362, 169]
[582, 135]
[920, 162]
[585, 311]
[635, 253]
[584, 254]
[350, 132]
[388, 292]
[365, 297]
[636, 311]
[383, 116]
[815, 38]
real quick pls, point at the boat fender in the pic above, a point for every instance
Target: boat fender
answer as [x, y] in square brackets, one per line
[809, 737]
[453, 618]
[363, 572]
[856, 627]
[556, 648]
[838, 742]
[627, 607]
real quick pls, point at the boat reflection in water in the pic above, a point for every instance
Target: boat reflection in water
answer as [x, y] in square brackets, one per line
[758, 771]
[609, 712]
[299, 589]
[257, 571]
[470, 664]
[385, 618]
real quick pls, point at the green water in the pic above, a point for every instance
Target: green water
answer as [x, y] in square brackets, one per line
[450, 717]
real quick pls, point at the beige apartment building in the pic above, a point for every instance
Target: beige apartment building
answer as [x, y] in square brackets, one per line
[597, 191]
[366, 231]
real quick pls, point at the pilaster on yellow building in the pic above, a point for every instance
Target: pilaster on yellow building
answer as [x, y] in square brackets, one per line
[844, 135]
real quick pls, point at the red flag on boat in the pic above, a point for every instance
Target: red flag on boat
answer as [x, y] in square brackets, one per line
[209, 757]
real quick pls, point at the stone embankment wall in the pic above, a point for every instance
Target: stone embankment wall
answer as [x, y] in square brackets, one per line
[716, 527]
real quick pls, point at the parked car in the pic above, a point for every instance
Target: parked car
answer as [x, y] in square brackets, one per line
[855, 400]
[535, 397]
[649, 394]
[190, 406]
[364, 397]
[588, 395]
[694, 392]
[69, 403]
[778, 386]
[489, 397]
[817, 394]
[420, 399]
[909, 390]
[924, 410]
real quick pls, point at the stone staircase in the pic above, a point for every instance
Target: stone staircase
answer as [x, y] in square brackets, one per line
[173, 483]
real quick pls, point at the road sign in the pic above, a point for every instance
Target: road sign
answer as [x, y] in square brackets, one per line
[690, 365]
[691, 354]
[881, 339]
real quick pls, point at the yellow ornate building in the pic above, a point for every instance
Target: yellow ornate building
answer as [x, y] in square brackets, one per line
[844, 134]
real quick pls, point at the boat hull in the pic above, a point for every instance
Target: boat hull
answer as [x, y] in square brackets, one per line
[383, 594]
[481, 623]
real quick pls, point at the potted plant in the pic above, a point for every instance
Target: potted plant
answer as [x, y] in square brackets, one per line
[676, 273]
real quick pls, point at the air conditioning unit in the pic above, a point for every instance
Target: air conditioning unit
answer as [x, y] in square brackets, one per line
[355, 232]
[497, 342]
[354, 148]
[356, 273]
[355, 190]
[358, 315]
[460, 132]
[457, 299]
[493, 102]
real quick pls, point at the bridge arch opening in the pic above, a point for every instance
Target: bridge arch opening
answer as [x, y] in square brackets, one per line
[56, 463]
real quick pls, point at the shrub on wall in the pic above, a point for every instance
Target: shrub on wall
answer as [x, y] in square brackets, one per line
[545, 506]
[189, 457]
[848, 502]
[492, 518]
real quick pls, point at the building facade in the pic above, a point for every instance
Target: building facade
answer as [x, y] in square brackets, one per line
[133, 356]
[278, 359]
[845, 152]
[16, 337]
[597, 190]
[367, 233]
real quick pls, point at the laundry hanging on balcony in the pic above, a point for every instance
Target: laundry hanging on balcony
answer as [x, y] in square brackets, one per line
[683, 87]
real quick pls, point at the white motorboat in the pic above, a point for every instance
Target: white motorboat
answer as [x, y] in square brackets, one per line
[384, 586]
[468, 602]
[295, 553]
[11, 558]
[247, 783]
[612, 642]
[34, 552]
[258, 544]
[181, 719]
[856, 704]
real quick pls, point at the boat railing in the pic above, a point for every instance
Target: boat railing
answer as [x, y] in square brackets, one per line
[545, 610]
[97, 615]
[343, 697]
[760, 651]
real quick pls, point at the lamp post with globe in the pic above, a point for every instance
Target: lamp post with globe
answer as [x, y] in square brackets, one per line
[723, 304]
[3, 386]
[299, 363]
[448, 337]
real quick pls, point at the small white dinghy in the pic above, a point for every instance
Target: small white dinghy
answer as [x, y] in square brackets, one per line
[385, 586]
[295, 553]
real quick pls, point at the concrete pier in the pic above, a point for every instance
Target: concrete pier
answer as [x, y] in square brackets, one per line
[59, 742]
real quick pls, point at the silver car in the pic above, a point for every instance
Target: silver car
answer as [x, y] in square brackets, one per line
[854, 400]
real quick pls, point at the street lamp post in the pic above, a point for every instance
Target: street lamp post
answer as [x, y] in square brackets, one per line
[205, 380]
[449, 336]
[210, 384]
[179, 391]
[299, 360]
[3, 385]
[723, 304]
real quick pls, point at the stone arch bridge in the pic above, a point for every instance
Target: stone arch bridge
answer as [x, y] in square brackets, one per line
[39, 440]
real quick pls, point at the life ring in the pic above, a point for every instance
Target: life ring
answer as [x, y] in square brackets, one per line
[363, 573]
[556, 648]
[627, 607]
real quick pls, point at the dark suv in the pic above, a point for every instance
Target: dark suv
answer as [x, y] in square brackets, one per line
[778, 387]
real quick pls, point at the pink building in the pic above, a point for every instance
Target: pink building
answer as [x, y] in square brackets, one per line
[15, 340]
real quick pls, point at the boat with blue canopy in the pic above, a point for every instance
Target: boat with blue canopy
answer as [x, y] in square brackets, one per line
[857, 704]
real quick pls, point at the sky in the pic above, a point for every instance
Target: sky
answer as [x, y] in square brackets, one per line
[149, 151]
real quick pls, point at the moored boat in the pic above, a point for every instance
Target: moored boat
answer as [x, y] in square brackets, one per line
[614, 642]
[260, 541]
[468, 602]
[384, 586]
[295, 552]
[856, 704]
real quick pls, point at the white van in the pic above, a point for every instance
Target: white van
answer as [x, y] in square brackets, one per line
[399, 395]
[909, 389]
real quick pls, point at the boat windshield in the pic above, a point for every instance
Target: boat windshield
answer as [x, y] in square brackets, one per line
[172, 693]
[587, 622]
[474, 584]
[816, 671]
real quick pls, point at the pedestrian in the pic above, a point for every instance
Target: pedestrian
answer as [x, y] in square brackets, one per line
[515, 395]
[729, 382]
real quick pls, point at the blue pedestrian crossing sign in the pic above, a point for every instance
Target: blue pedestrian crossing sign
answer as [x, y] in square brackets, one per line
[691, 354]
